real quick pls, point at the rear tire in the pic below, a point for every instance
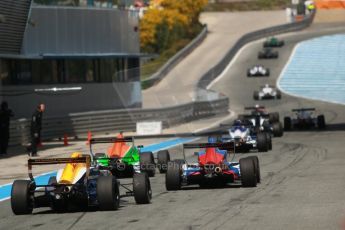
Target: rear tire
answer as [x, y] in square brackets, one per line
[321, 124]
[269, 141]
[279, 95]
[256, 167]
[173, 176]
[267, 73]
[147, 163]
[142, 188]
[100, 155]
[287, 123]
[261, 142]
[108, 193]
[163, 157]
[256, 95]
[248, 175]
[180, 162]
[273, 117]
[277, 129]
[22, 201]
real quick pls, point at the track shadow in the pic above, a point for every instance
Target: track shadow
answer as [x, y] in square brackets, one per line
[211, 187]
[329, 128]
[48, 211]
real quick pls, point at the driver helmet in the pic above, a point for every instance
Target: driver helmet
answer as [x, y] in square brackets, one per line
[237, 123]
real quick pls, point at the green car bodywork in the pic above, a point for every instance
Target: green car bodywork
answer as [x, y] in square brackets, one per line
[131, 157]
[273, 42]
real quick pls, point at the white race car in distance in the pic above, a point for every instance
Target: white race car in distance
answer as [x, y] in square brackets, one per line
[258, 71]
[267, 92]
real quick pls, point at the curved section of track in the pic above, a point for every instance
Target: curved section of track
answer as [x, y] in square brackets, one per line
[316, 70]
[302, 185]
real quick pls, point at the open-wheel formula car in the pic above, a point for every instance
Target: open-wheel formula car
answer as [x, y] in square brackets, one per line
[126, 159]
[212, 168]
[267, 92]
[304, 119]
[259, 110]
[273, 42]
[244, 139]
[268, 53]
[258, 71]
[263, 121]
[82, 183]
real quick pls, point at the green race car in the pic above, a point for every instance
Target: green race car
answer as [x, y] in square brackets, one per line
[273, 42]
[123, 159]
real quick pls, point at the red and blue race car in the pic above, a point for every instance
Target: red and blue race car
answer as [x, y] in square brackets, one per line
[212, 167]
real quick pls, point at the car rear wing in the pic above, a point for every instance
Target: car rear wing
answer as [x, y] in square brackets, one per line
[254, 108]
[181, 135]
[225, 146]
[228, 126]
[50, 161]
[111, 140]
[303, 109]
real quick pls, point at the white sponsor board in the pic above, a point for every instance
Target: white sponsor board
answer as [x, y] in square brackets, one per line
[149, 128]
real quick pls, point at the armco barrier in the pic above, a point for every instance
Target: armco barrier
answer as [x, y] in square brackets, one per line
[215, 71]
[172, 62]
[103, 122]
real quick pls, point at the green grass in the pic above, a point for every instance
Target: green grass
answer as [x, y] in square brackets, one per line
[151, 67]
[249, 6]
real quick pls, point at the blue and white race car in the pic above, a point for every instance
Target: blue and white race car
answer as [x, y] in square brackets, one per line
[244, 138]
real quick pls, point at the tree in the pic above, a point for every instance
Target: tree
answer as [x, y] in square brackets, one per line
[172, 20]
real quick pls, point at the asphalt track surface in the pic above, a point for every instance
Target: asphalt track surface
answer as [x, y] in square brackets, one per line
[302, 178]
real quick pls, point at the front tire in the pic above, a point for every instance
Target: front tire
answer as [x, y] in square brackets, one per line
[173, 176]
[287, 123]
[147, 163]
[22, 200]
[261, 141]
[142, 188]
[321, 124]
[163, 157]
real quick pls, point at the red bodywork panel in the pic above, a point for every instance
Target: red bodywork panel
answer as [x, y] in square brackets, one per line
[211, 156]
